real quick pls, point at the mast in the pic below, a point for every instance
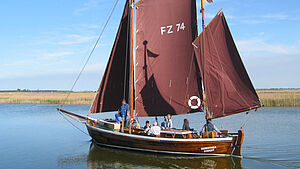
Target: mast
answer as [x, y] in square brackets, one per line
[202, 50]
[131, 59]
[202, 11]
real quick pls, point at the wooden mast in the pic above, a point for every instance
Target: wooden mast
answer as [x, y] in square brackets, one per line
[131, 62]
[203, 28]
[202, 11]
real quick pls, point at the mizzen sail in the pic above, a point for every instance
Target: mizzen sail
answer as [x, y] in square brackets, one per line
[227, 85]
[166, 69]
[115, 81]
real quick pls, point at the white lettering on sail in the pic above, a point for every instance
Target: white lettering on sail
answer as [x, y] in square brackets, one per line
[169, 29]
[162, 30]
[178, 26]
[182, 26]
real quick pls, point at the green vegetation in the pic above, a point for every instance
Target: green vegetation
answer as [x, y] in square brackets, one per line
[48, 97]
[270, 98]
[280, 98]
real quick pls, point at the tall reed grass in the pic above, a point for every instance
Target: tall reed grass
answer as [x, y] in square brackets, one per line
[270, 98]
[280, 98]
[47, 97]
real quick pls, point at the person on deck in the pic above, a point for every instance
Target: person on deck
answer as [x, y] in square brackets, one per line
[147, 127]
[154, 130]
[169, 122]
[163, 125]
[123, 111]
[136, 124]
[186, 125]
[210, 127]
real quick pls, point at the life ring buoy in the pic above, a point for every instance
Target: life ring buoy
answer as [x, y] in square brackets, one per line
[198, 105]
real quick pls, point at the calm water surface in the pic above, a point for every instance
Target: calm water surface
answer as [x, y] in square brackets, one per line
[36, 136]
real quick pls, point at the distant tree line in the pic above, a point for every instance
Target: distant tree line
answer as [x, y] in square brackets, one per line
[38, 90]
[277, 88]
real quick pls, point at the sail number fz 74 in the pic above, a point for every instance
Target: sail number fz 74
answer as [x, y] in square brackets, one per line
[169, 29]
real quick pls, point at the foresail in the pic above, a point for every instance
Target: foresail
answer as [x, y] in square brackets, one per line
[166, 69]
[115, 80]
[227, 85]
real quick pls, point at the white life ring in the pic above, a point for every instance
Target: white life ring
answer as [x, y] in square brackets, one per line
[198, 102]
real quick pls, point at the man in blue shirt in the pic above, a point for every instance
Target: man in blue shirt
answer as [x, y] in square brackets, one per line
[123, 111]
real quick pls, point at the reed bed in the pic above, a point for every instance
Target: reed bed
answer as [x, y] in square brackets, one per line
[47, 97]
[269, 98]
[280, 98]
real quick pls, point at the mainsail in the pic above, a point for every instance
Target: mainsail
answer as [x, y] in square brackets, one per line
[115, 81]
[227, 85]
[166, 69]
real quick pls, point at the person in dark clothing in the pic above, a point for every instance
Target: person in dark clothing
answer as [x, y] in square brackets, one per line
[186, 125]
[163, 125]
[210, 127]
[147, 127]
[123, 111]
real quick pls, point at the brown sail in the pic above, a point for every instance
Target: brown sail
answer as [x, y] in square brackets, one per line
[115, 81]
[227, 85]
[166, 73]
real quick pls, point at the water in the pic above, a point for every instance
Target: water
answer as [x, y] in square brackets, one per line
[36, 136]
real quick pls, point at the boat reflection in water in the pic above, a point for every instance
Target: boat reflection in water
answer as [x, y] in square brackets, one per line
[102, 157]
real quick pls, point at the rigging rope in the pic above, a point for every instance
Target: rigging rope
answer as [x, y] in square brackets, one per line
[72, 123]
[86, 62]
[244, 124]
[92, 51]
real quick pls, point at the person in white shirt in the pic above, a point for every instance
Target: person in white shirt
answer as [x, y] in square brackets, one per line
[154, 130]
[169, 122]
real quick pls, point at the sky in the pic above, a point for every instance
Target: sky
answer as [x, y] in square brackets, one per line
[44, 44]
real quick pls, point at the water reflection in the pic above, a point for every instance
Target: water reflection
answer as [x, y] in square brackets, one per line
[101, 157]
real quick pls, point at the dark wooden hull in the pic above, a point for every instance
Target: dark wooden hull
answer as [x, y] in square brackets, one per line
[208, 146]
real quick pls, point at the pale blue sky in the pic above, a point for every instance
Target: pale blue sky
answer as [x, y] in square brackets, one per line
[43, 43]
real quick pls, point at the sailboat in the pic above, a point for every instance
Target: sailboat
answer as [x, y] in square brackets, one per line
[175, 72]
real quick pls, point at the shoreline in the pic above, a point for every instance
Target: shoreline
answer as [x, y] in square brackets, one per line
[269, 98]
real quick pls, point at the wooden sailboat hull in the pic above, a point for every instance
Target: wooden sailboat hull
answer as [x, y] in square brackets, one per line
[207, 147]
